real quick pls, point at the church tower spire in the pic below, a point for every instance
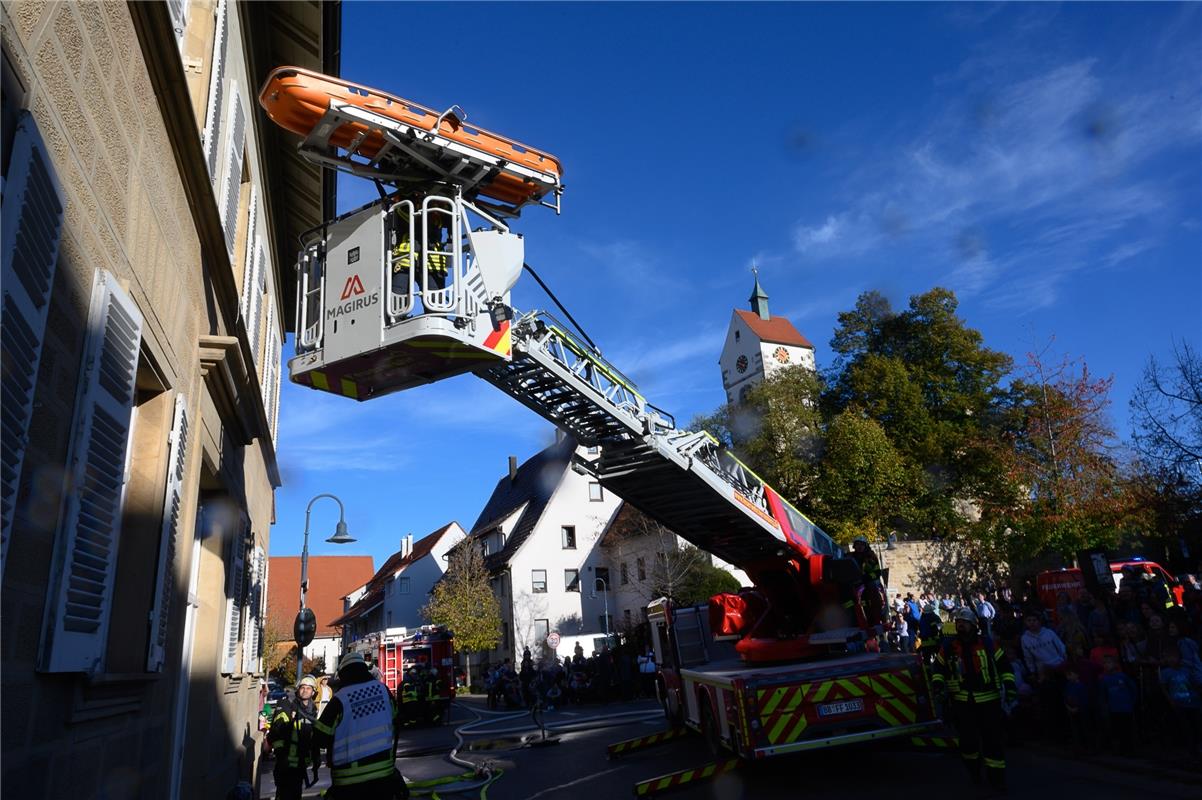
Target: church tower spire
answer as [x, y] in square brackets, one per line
[759, 298]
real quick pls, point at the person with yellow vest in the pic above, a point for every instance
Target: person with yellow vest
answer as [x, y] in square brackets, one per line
[291, 738]
[358, 730]
[437, 262]
[976, 675]
[873, 595]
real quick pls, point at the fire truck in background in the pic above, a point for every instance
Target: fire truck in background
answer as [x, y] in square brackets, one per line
[398, 652]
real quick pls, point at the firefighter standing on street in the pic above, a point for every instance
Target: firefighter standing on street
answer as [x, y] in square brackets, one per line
[358, 729]
[291, 737]
[976, 675]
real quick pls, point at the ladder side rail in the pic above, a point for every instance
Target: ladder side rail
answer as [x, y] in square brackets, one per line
[300, 316]
[400, 303]
[313, 272]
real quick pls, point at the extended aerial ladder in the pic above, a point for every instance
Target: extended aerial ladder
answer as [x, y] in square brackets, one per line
[360, 334]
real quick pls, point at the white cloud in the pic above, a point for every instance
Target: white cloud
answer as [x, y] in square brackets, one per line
[1049, 165]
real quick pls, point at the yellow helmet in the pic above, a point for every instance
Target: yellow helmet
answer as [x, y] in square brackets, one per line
[309, 681]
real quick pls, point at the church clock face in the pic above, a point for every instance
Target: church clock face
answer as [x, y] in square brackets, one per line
[741, 364]
[781, 355]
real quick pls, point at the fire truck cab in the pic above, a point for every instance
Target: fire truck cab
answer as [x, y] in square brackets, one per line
[761, 710]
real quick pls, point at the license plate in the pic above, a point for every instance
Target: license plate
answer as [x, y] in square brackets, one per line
[833, 709]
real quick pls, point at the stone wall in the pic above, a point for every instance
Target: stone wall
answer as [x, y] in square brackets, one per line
[928, 565]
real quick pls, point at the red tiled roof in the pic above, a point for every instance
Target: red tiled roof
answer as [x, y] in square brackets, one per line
[396, 561]
[777, 330]
[331, 578]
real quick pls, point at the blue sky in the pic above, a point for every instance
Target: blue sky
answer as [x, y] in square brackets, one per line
[1043, 161]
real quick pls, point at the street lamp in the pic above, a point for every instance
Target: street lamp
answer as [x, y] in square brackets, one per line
[605, 596]
[340, 537]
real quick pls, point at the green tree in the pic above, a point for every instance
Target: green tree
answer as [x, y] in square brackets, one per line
[936, 390]
[864, 484]
[703, 580]
[463, 601]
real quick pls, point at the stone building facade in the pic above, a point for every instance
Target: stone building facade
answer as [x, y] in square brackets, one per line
[147, 213]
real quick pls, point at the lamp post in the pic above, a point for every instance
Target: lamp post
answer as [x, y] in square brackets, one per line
[604, 596]
[340, 537]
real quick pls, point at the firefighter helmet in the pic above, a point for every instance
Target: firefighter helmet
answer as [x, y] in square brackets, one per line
[965, 614]
[859, 540]
[309, 681]
[350, 658]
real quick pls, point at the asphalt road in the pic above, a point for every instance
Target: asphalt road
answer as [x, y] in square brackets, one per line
[577, 767]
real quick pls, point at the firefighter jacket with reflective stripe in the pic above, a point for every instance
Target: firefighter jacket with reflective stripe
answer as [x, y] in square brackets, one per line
[291, 736]
[358, 726]
[973, 671]
[436, 262]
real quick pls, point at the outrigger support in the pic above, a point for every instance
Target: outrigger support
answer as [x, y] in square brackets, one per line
[674, 780]
[641, 742]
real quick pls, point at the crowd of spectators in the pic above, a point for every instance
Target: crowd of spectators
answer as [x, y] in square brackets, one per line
[617, 674]
[1117, 670]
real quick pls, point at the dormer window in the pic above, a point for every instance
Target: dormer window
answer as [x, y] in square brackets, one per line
[737, 333]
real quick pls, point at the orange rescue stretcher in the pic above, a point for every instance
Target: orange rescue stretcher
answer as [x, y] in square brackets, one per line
[298, 99]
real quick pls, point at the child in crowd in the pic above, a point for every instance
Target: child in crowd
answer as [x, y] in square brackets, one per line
[1184, 697]
[1119, 695]
[1077, 704]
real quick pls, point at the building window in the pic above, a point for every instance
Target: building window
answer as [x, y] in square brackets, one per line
[542, 627]
[625, 574]
[641, 565]
[736, 336]
[601, 579]
[538, 581]
[595, 492]
[571, 580]
[569, 537]
[402, 585]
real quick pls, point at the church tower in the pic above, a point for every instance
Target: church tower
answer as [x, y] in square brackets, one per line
[758, 344]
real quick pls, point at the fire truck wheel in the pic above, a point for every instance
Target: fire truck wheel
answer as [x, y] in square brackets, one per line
[709, 727]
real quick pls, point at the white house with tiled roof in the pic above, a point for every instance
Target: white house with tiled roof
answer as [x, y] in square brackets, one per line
[539, 530]
[758, 344]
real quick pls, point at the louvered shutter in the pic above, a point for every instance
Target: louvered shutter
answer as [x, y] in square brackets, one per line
[177, 459]
[268, 359]
[254, 321]
[212, 131]
[251, 654]
[232, 183]
[248, 256]
[80, 599]
[235, 565]
[31, 228]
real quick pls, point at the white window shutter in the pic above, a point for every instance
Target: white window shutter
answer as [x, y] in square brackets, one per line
[251, 650]
[231, 185]
[212, 131]
[75, 632]
[254, 322]
[268, 359]
[177, 460]
[31, 228]
[235, 571]
[248, 256]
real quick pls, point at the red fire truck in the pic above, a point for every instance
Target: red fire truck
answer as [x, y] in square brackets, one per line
[757, 710]
[431, 647]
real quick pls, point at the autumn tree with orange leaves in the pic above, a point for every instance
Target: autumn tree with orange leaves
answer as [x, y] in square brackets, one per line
[1064, 459]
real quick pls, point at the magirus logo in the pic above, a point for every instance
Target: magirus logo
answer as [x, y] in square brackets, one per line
[354, 298]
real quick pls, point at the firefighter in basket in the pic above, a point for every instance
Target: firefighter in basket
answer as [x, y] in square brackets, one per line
[973, 673]
[873, 595]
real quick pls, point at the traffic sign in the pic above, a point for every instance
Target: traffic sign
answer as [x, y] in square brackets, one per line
[553, 639]
[304, 629]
